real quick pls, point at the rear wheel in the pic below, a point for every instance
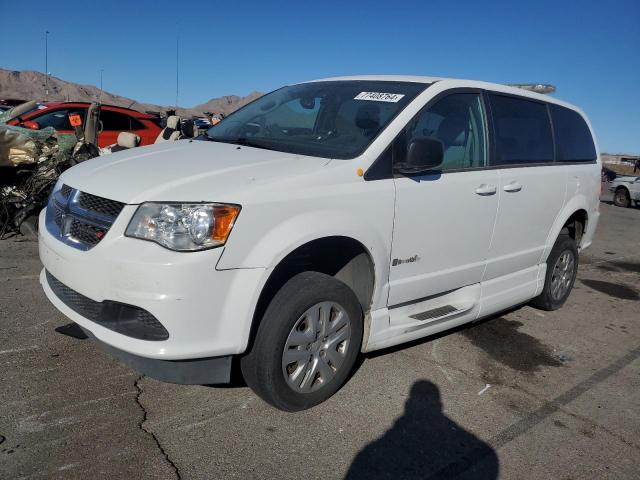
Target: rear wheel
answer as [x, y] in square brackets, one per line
[621, 198]
[307, 342]
[562, 268]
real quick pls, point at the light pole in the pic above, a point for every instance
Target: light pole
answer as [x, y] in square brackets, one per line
[177, 68]
[100, 99]
[46, 64]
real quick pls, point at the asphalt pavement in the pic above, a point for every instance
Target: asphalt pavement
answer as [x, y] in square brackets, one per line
[526, 394]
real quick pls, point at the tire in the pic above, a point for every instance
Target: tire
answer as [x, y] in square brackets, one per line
[621, 198]
[288, 323]
[551, 298]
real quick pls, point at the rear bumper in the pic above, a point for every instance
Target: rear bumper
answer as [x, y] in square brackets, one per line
[199, 371]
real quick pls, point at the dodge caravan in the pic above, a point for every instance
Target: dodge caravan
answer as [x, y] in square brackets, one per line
[323, 220]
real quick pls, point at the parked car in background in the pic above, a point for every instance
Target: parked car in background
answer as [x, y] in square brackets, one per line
[626, 190]
[11, 102]
[202, 123]
[608, 175]
[112, 121]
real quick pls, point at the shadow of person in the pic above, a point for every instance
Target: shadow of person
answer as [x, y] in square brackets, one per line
[424, 443]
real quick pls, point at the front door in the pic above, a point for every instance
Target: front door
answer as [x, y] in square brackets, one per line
[444, 221]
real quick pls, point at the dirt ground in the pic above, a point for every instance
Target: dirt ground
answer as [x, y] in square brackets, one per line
[527, 394]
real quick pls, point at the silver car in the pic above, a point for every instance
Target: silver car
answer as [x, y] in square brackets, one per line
[625, 189]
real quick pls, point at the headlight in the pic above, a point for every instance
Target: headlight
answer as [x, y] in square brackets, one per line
[183, 226]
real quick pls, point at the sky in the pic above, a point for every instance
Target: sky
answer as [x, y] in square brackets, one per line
[588, 49]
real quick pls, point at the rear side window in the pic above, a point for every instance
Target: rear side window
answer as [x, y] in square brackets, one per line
[573, 138]
[115, 121]
[523, 131]
[136, 124]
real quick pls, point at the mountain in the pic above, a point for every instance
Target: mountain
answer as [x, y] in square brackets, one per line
[30, 85]
[227, 104]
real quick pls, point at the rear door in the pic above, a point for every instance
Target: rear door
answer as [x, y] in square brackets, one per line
[444, 220]
[532, 187]
[112, 123]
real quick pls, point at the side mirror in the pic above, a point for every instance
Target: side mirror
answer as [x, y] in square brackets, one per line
[423, 154]
[31, 125]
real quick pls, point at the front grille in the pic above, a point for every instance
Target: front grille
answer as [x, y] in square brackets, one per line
[80, 219]
[85, 232]
[101, 205]
[126, 319]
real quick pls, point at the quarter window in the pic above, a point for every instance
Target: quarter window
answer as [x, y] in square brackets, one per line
[458, 122]
[573, 138]
[523, 131]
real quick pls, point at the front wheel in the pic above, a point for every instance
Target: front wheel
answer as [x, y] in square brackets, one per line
[621, 198]
[307, 343]
[562, 268]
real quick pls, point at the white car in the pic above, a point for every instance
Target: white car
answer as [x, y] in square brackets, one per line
[626, 190]
[322, 220]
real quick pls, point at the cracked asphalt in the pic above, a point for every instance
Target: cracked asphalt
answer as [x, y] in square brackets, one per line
[526, 394]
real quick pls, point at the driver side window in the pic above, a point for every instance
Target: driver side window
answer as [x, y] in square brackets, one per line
[59, 119]
[458, 121]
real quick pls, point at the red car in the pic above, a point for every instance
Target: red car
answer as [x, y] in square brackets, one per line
[112, 121]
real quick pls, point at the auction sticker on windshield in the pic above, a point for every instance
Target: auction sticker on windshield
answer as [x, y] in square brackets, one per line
[379, 96]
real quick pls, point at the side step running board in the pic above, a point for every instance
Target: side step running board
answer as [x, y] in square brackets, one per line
[435, 313]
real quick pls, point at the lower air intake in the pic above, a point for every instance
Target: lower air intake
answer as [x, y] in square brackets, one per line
[122, 318]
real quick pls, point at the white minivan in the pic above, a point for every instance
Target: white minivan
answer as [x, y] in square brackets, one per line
[322, 220]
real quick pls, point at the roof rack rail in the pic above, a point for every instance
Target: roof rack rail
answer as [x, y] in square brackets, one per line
[534, 87]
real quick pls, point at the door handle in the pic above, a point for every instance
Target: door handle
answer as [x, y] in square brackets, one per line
[512, 187]
[485, 189]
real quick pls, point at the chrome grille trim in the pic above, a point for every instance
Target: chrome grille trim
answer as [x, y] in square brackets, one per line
[79, 219]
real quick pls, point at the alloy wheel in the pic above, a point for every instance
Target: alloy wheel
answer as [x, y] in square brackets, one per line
[316, 347]
[562, 276]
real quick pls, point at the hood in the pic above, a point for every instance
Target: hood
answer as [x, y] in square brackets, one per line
[186, 171]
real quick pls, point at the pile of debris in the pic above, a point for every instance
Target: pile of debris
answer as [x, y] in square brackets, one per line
[30, 163]
[32, 160]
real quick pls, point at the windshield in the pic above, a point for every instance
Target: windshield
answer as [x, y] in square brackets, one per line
[334, 119]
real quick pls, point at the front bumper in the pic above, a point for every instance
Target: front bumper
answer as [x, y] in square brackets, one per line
[199, 371]
[206, 312]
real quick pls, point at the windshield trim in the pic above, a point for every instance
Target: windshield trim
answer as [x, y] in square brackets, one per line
[357, 154]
